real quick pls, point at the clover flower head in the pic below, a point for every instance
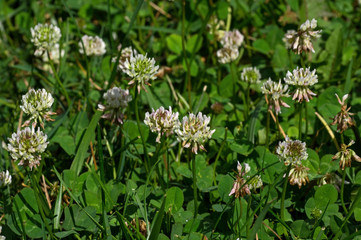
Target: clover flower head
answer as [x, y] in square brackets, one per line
[5, 179]
[141, 69]
[343, 119]
[54, 53]
[298, 175]
[301, 41]
[255, 182]
[276, 91]
[162, 121]
[124, 55]
[92, 45]
[26, 146]
[302, 79]
[346, 155]
[214, 25]
[331, 178]
[44, 37]
[117, 101]
[239, 187]
[217, 107]
[292, 151]
[251, 75]
[194, 131]
[227, 55]
[37, 104]
[232, 39]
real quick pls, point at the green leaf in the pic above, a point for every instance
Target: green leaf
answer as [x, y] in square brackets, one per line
[174, 43]
[326, 193]
[157, 223]
[77, 164]
[225, 185]
[300, 228]
[262, 46]
[174, 199]
[194, 43]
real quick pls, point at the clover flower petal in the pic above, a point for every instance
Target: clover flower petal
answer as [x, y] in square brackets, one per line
[302, 79]
[92, 45]
[117, 101]
[232, 39]
[298, 175]
[124, 55]
[194, 130]
[344, 118]
[251, 75]
[162, 121]
[276, 91]
[26, 146]
[141, 69]
[346, 155]
[292, 151]
[37, 104]
[227, 55]
[5, 179]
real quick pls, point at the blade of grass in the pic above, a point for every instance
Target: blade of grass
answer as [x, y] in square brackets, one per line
[157, 223]
[258, 222]
[57, 209]
[84, 145]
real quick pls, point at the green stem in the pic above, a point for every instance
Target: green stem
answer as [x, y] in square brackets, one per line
[248, 215]
[278, 127]
[268, 129]
[195, 187]
[342, 191]
[146, 158]
[63, 90]
[306, 118]
[300, 122]
[218, 155]
[284, 196]
[188, 82]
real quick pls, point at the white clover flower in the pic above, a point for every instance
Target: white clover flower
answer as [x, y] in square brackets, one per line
[5, 179]
[298, 175]
[227, 55]
[232, 39]
[346, 155]
[255, 182]
[292, 151]
[117, 101]
[125, 54]
[37, 104]
[44, 37]
[54, 53]
[251, 75]
[141, 69]
[276, 91]
[26, 146]
[93, 46]
[302, 40]
[162, 121]
[302, 79]
[194, 131]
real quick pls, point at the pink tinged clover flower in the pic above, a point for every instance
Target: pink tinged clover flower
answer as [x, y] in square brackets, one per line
[117, 101]
[239, 187]
[232, 39]
[301, 41]
[292, 151]
[162, 121]
[346, 155]
[276, 91]
[124, 55]
[194, 131]
[26, 146]
[343, 119]
[141, 69]
[92, 45]
[302, 79]
[298, 175]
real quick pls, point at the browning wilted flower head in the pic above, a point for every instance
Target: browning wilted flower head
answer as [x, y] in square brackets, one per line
[37, 104]
[226, 55]
[232, 39]
[275, 91]
[346, 155]
[162, 121]
[26, 146]
[292, 151]
[92, 45]
[331, 178]
[302, 79]
[44, 37]
[5, 179]
[141, 69]
[343, 119]
[298, 175]
[124, 55]
[194, 131]
[251, 75]
[239, 187]
[117, 101]
[302, 40]
[217, 107]
[214, 25]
